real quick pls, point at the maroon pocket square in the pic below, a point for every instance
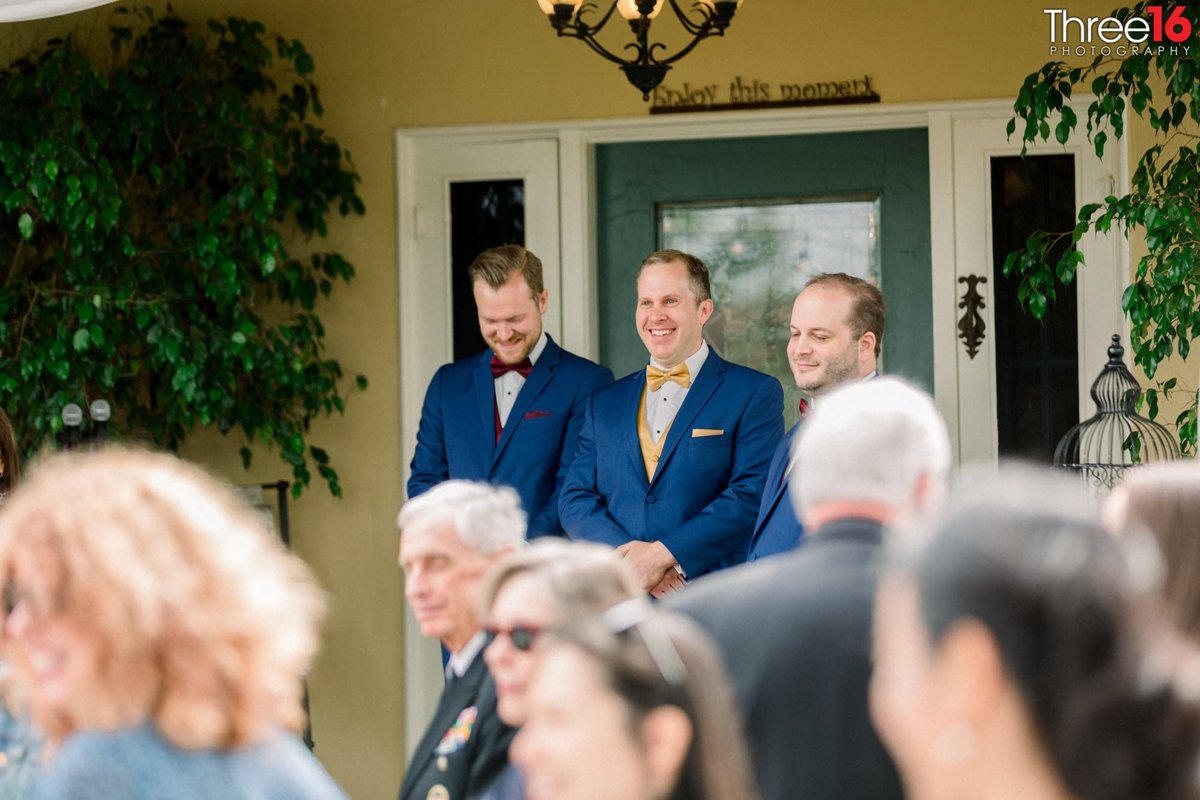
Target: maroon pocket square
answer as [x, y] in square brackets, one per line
[536, 414]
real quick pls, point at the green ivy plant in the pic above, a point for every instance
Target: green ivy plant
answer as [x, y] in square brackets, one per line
[147, 198]
[1164, 198]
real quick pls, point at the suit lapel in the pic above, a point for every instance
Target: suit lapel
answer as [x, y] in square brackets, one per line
[539, 379]
[485, 393]
[775, 482]
[449, 707]
[629, 422]
[711, 376]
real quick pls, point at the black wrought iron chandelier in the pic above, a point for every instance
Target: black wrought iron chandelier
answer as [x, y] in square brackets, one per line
[645, 69]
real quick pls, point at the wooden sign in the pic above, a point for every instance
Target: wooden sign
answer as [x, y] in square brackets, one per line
[745, 93]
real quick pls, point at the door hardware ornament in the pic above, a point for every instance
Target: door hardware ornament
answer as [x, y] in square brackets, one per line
[971, 327]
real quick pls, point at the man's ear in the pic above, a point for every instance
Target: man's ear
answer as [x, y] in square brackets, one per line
[666, 735]
[866, 344]
[706, 310]
[543, 301]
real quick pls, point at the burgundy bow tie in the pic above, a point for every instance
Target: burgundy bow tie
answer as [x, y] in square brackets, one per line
[804, 406]
[500, 368]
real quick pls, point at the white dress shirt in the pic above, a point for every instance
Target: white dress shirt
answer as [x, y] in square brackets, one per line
[508, 385]
[460, 662]
[664, 404]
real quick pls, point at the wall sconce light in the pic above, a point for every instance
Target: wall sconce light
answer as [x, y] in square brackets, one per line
[645, 69]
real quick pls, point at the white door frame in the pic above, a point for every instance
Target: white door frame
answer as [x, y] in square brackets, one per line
[976, 139]
[576, 219]
[427, 168]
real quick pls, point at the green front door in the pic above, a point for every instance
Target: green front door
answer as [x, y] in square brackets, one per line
[746, 202]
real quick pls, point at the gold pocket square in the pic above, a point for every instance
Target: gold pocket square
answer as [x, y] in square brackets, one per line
[699, 432]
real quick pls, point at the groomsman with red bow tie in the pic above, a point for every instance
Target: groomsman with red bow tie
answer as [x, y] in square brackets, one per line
[510, 415]
[672, 459]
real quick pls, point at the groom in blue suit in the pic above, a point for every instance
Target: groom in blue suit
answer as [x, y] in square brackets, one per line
[837, 332]
[672, 459]
[510, 415]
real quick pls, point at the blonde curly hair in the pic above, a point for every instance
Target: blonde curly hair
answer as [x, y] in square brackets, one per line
[205, 625]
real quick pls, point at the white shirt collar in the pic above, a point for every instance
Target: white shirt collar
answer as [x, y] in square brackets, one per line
[812, 399]
[694, 362]
[538, 348]
[460, 662]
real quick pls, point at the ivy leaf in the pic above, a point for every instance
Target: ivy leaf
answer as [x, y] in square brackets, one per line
[1163, 204]
[164, 178]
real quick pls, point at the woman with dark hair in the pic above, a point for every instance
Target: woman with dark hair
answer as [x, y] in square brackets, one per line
[637, 707]
[1015, 657]
[1164, 499]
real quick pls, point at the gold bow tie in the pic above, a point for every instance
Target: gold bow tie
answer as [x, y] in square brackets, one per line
[655, 377]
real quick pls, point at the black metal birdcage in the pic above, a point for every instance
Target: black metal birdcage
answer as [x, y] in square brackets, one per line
[1116, 437]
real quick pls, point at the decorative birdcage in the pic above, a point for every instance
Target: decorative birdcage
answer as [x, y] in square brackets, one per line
[1116, 438]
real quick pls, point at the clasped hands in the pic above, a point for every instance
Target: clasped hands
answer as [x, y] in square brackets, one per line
[654, 567]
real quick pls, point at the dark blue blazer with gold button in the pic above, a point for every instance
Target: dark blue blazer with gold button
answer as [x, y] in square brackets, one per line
[704, 497]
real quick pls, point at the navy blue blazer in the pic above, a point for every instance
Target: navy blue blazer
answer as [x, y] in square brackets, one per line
[706, 489]
[457, 435]
[777, 529]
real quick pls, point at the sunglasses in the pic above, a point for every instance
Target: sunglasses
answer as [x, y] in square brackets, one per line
[523, 637]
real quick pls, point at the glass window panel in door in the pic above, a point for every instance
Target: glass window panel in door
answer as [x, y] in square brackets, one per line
[483, 214]
[759, 255]
[1037, 361]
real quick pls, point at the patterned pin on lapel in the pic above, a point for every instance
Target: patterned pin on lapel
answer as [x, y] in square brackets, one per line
[457, 735]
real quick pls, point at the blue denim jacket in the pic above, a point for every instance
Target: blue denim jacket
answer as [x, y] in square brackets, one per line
[19, 750]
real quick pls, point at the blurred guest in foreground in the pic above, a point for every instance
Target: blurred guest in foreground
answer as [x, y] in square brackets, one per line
[795, 629]
[1015, 658]
[542, 586]
[19, 745]
[1164, 499]
[449, 537]
[160, 631]
[637, 708]
[10, 458]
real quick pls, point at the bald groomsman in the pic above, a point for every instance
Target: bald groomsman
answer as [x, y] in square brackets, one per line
[837, 333]
[510, 415]
[672, 459]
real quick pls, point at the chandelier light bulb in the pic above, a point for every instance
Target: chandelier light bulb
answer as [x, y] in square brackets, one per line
[644, 61]
[547, 6]
[629, 9]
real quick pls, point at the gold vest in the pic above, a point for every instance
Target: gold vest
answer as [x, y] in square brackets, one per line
[651, 450]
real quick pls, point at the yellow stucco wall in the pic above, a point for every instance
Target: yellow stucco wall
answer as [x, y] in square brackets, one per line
[383, 64]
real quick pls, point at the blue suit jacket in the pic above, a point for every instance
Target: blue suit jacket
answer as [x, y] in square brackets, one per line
[777, 529]
[706, 489]
[457, 435]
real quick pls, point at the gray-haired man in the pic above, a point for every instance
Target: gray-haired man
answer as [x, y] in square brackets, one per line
[448, 538]
[794, 630]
